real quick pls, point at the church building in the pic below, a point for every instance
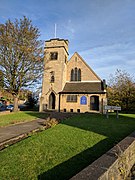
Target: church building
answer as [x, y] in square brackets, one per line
[69, 85]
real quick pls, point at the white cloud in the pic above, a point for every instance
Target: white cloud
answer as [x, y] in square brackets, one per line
[106, 59]
[102, 32]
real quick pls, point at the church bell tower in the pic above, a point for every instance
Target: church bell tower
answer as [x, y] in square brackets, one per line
[54, 78]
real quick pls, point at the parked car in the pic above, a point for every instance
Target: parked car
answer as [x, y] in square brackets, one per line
[2, 107]
[10, 107]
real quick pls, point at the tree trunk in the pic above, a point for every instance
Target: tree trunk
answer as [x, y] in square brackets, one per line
[15, 103]
[127, 106]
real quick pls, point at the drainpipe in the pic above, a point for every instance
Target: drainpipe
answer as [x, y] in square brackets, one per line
[59, 104]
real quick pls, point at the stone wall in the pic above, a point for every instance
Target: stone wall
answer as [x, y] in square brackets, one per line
[87, 74]
[115, 164]
[78, 106]
[58, 67]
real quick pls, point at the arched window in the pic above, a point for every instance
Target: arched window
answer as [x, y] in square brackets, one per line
[83, 100]
[75, 74]
[79, 74]
[72, 75]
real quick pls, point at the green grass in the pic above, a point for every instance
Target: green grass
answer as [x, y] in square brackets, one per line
[17, 117]
[62, 151]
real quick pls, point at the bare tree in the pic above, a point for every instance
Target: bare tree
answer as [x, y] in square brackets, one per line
[21, 57]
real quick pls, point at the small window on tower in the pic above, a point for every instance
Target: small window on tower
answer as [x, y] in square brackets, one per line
[52, 78]
[54, 55]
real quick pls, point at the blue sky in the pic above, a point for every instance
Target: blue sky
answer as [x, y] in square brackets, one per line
[101, 31]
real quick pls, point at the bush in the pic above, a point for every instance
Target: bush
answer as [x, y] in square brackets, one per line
[50, 122]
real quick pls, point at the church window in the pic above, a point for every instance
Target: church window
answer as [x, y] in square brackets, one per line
[52, 78]
[75, 74]
[72, 75]
[54, 55]
[79, 74]
[68, 98]
[71, 98]
[83, 100]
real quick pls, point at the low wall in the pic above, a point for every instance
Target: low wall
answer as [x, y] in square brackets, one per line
[5, 112]
[114, 164]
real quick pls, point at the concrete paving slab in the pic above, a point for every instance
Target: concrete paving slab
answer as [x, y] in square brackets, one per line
[12, 131]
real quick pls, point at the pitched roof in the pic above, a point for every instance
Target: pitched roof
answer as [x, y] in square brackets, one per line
[83, 87]
[76, 53]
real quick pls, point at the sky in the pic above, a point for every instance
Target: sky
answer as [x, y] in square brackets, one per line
[101, 31]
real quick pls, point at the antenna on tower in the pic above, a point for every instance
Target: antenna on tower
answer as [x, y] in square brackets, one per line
[55, 28]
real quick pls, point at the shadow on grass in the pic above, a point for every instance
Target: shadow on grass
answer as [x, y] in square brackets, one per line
[114, 129]
[75, 164]
[40, 115]
[58, 115]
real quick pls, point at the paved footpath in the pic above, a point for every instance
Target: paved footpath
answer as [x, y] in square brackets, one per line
[14, 133]
[16, 130]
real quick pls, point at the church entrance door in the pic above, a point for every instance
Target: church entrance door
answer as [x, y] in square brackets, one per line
[52, 101]
[94, 103]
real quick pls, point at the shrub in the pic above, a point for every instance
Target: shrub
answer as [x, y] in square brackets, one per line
[50, 122]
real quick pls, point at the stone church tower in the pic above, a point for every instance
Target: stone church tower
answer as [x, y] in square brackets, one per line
[54, 78]
[69, 85]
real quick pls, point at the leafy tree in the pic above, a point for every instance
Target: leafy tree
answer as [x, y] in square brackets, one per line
[121, 90]
[21, 59]
[32, 100]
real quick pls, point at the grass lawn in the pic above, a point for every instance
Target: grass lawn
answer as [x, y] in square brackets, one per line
[62, 151]
[22, 116]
